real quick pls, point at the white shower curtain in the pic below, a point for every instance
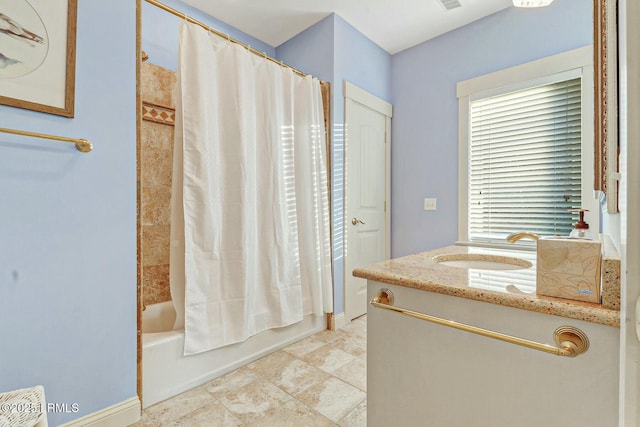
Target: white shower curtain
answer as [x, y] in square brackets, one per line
[250, 230]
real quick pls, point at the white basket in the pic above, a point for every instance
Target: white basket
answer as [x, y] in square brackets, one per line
[23, 408]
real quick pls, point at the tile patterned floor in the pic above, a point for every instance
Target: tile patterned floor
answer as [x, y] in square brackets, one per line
[319, 381]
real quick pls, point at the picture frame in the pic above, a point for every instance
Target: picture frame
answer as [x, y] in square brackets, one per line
[38, 55]
[606, 165]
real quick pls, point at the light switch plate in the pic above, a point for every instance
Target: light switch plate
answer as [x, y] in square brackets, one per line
[430, 204]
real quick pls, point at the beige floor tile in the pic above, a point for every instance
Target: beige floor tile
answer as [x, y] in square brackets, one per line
[212, 415]
[318, 381]
[170, 410]
[145, 421]
[271, 362]
[332, 398]
[357, 417]
[355, 373]
[328, 358]
[254, 401]
[296, 376]
[293, 414]
[328, 336]
[353, 344]
[304, 346]
[232, 381]
[357, 327]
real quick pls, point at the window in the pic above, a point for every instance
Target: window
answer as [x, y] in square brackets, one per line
[526, 149]
[524, 161]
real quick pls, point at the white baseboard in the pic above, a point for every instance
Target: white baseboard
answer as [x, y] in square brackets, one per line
[119, 415]
[338, 321]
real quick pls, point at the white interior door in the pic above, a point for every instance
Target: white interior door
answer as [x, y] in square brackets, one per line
[367, 160]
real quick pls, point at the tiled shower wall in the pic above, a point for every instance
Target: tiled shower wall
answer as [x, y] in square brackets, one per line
[156, 158]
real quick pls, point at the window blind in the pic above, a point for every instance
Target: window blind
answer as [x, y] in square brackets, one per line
[524, 161]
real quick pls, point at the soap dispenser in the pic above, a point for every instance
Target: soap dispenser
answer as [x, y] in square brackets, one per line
[580, 228]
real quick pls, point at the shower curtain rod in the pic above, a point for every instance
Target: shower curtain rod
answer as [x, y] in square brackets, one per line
[223, 35]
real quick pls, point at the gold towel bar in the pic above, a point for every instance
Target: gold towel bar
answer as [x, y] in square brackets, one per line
[570, 341]
[82, 145]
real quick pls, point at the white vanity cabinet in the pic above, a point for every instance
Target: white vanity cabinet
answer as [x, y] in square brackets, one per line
[424, 374]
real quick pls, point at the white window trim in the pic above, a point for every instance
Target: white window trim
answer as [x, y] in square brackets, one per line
[515, 78]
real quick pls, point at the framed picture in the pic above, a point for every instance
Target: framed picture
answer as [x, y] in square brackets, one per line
[38, 55]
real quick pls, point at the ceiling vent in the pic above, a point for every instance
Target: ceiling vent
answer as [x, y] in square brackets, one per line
[450, 4]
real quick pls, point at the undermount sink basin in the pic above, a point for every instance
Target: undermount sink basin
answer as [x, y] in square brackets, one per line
[482, 261]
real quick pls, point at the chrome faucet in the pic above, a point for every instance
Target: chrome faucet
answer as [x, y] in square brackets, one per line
[514, 237]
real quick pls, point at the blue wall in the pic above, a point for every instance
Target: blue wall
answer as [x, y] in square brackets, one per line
[334, 51]
[312, 51]
[160, 32]
[68, 230]
[361, 62]
[425, 122]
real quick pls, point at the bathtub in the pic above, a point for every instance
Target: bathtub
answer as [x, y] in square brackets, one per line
[166, 372]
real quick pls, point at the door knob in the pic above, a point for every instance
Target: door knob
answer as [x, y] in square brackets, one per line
[356, 221]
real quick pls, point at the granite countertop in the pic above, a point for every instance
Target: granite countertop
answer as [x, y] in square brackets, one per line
[511, 288]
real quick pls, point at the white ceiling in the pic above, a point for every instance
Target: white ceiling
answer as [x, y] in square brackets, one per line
[392, 24]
